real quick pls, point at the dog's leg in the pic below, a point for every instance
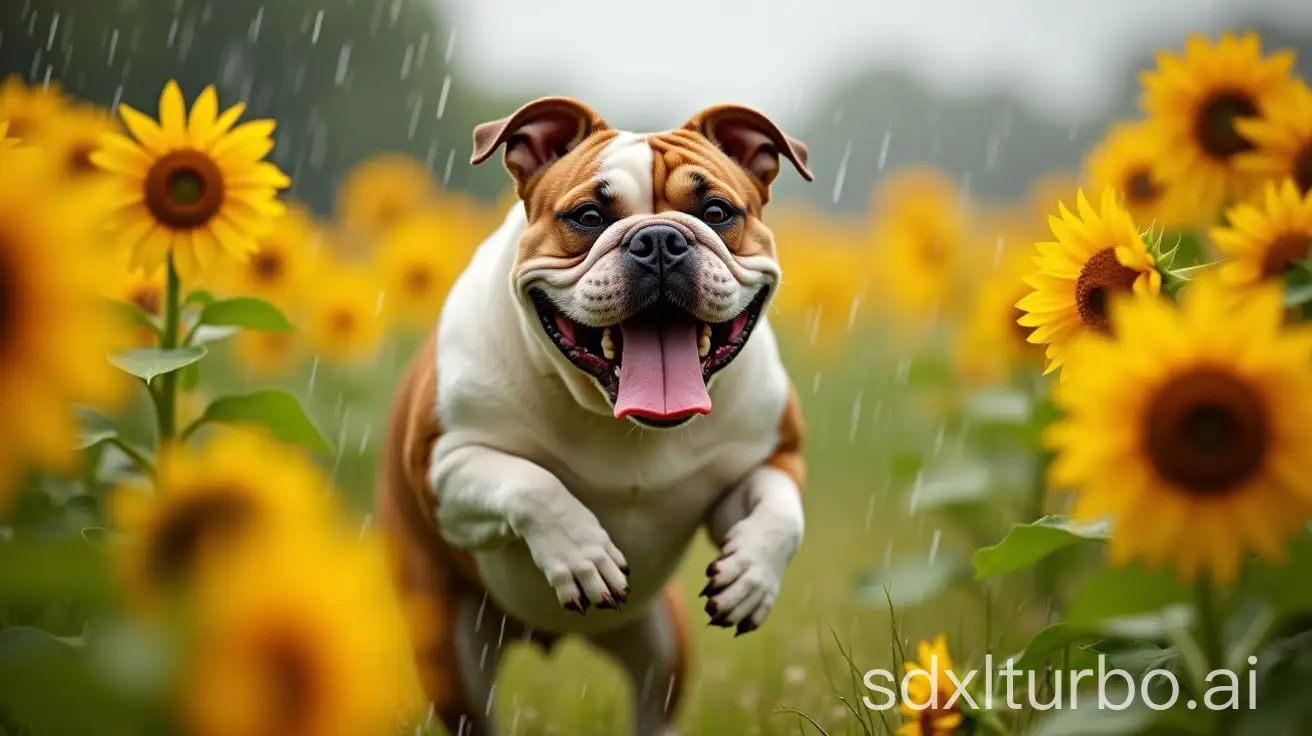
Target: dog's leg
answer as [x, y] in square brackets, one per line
[758, 526]
[654, 652]
[486, 499]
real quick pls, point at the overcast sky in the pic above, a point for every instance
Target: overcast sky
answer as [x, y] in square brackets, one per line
[667, 58]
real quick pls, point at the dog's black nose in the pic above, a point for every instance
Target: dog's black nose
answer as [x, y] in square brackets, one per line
[658, 248]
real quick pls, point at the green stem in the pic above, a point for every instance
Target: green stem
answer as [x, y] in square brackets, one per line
[167, 392]
[1212, 634]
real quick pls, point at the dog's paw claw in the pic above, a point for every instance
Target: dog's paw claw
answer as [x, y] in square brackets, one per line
[577, 605]
[746, 626]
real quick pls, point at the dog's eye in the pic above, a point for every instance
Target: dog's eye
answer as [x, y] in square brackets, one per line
[587, 216]
[717, 212]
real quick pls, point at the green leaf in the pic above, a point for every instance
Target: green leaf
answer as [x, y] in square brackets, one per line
[275, 410]
[962, 482]
[206, 334]
[1093, 721]
[247, 312]
[131, 314]
[45, 684]
[1006, 407]
[1047, 642]
[908, 582]
[87, 439]
[1026, 544]
[1283, 585]
[1296, 295]
[147, 363]
[40, 570]
[200, 296]
[1115, 592]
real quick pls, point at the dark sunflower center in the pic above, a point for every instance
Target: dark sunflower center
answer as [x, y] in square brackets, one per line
[149, 299]
[184, 189]
[267, 266]
[1140, 187]
[189, 528]
[293, 680]
[1207, 431]
[342, 322]
[1303, 169]
[1215, 125]
[1282, 253]
[418, 280]
[79, 160]
[1101, 276]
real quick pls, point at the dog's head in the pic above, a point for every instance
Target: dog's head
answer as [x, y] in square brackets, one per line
[644, 259]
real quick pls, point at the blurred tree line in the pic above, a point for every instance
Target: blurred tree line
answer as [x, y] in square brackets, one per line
[344, 78]
[350, 78]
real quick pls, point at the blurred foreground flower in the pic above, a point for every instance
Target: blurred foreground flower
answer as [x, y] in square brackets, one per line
[1282, 139]
[5, 140]
[1189, 429]
[53, 336]
[928, 690]
[73, 136]
[1095, 255]
[1194, 103]
[993, 345]
[267, 354]
[383, 191]
[1263, 242]
[28, 109]
[196, 189]
[144, 291]
[239, 489]
[304, 639]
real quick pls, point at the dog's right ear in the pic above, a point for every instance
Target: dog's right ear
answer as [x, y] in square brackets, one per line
[535, 136]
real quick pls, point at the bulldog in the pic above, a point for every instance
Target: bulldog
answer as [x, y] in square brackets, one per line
[602, 383]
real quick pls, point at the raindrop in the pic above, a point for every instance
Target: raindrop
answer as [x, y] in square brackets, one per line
[173, 32]
[395, 12]
[318, 24]
[914, 500]
[991, 153]
[450, 45]
[256, 24]
[441, 98]
[870, 510]
[903, 371]
[584, 692]
[314, 372]
[939, 434]
[856, 416]
[933, 545]
[883, 149]
[997, 249]
[450, 161]
[423, 47]
[815, 384]
[482, 658]
[364, 525]
[842, 173]
[364, 438]
[851, 313]
[431, 157]
[54, 26]
[407, 61]
[343, 62]
[888, 554]
[414, 116]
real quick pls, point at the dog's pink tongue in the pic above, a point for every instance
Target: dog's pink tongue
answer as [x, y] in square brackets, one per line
[660, 372]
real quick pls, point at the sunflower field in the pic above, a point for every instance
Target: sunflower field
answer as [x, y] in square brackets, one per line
[1067, 433]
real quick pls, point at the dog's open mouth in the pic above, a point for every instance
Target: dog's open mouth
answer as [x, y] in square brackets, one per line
[654, 366]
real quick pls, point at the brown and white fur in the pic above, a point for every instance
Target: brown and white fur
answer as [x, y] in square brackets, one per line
[516, 505]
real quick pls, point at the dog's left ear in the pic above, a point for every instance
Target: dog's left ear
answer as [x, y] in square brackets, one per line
[750, 139]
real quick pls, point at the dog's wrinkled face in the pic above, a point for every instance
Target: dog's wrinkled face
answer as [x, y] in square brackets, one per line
[645, 260]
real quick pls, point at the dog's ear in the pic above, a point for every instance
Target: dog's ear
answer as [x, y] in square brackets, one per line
[750, 139]
[536, 135]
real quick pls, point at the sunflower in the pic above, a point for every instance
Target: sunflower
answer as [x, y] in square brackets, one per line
[53, 333]
[992, 345]
[238, 489]
[280, 269]
[72, 136]
[1124, 161]
[1189, 430]
[1095, 255]
[1262, 242]
[1282, 139]
[343, 321]
[418, 261]
[193, 188]
[383, 191]
[918, 237]
[267, 353]
[1195, 103]
[29, 109]
[929, 688]
[282, 650]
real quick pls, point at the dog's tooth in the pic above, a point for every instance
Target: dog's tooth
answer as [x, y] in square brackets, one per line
[704, 345]
[607, 344]
[706, 331]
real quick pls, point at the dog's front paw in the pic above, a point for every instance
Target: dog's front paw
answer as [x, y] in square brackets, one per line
[744, 581]
[579, 561]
